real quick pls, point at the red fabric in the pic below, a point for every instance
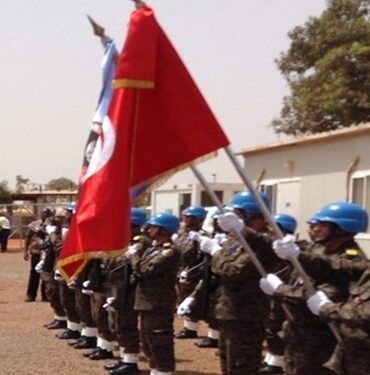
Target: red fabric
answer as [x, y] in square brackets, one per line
[157, 130]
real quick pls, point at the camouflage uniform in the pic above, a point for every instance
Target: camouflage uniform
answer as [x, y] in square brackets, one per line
[309, 341]
[241, 306]
[155, 299]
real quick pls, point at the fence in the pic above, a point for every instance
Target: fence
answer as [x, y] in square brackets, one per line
[20, 215]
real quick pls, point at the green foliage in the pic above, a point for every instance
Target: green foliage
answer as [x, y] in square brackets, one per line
[5, 195]
[61, 183]
[327, 68]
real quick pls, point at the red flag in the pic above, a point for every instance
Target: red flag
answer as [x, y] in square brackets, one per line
[157, 123]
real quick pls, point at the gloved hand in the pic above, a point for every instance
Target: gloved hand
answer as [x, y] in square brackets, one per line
[71, 284]
[57, 276]
[270, 283]
[108, 304]
[174, 237]
[195, 236]
[209, 246]
[317, 301]
[286, 247]
[220, 237]
[184, 307]
[131, 251]
[183, 277]
[85, 289]
[230, 221]
[50, 229]
[40, 265]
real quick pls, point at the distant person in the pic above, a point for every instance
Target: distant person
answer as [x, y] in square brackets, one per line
[35, 236]
[4, 232]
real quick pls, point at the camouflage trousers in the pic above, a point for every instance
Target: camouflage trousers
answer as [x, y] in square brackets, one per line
[307, 349]
[352, 359]
[156, 333]
[240, 346]
[274, 323]
[68, 299]
[83, 306]
[100, 316]
[52, 291]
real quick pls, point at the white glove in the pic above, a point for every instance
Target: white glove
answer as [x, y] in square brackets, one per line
[40, 266]
[184, 307]
[85, 289]
[230, 221]
[72, 284]
[174, 237]
[131, 251]
[195, 236]
[209, 246]
[57, 276]
[286, 247]
[50, 229]
[183, 277]
[317, 301]
[270, 283]
[220, 237]
[108, 304]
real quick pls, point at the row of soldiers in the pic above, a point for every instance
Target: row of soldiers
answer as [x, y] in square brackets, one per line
[212, 277]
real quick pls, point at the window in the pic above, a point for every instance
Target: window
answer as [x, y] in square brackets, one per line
[360, 192]
[271, 191]
[206, 201]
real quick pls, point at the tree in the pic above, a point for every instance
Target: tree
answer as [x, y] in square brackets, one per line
[61, 183]
[20, 182]
[5, 195]
[327, 68]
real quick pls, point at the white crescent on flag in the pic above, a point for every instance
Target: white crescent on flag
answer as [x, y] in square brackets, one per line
[103, 150]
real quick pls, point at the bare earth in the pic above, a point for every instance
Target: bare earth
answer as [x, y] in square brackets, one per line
[27, 348]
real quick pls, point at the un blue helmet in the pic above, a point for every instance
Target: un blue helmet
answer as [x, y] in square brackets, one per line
[71, 206]
[138, 216]
[165, 220]
[349, 217]
[246, 202]
[198, 212]
[286, 222]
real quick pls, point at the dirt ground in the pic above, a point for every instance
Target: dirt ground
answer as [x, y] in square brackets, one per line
[27, 348]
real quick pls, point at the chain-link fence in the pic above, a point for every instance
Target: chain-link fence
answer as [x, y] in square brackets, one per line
[20, 215]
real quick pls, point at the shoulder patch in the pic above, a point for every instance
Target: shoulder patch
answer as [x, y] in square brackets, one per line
[167, 252]
[136, 239]
[352, 252]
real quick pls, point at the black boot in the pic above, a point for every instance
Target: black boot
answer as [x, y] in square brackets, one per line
[101, 354]
[68, 334]
[126, 369]
[207, 343]
[113, 366]
[186, 334]
[57, 324]
[269, 369]
[85, 343]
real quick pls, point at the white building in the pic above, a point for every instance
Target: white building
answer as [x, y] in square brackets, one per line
[303, 174]
[175, 197]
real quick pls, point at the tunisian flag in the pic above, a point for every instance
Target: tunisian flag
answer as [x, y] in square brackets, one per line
[157, 123]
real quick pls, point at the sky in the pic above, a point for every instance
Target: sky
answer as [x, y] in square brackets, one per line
[51, 76]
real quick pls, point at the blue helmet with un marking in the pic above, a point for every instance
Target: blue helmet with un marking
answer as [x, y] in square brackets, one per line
[286, 222]
[246, 202]
[138, 216]
[165, 220]
[71, 206]
[350, 217]
[198, 212]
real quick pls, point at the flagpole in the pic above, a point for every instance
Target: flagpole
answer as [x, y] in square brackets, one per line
[138, 4]
[295, 262]
[219, 205]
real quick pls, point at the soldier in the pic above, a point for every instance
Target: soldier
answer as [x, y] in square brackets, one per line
[241, 308]
[4, 232]
[156, 269]
[274, 359]
[121, 304]
[67, 294]
[191, 259]
[32, 251]
[333, 231]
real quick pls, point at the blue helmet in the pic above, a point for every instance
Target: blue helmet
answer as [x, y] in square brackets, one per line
[165, 220]
[198, 212]
[71, 206]
[138, 216]
[246, 202]
[286, 222]
[349, 217]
